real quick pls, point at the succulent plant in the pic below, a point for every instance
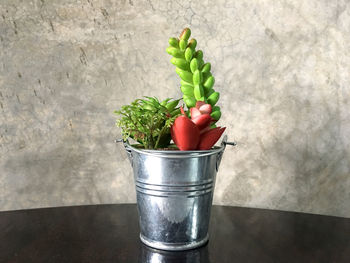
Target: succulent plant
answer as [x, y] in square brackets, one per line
[195, 133]
[196, 79]
[154, 123]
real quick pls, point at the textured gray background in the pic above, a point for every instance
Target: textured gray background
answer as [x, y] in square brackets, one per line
[282, 68]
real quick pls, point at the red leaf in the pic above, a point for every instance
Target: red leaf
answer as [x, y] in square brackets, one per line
[182, 110]
[205, 109]
[205, 129]
[199, 104]
[173, 136]
[202, 121]
[185, 134]
[209, 138]
[194, 113]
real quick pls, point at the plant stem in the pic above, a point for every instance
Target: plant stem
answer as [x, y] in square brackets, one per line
[160, 135]
[151, 143]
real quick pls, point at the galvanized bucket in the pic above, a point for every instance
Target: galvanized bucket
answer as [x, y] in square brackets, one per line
[174, 194]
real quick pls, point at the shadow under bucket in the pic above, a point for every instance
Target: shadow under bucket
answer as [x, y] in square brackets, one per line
[174, 194]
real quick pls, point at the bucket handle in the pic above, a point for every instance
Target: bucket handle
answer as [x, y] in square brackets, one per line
[224, 142]
[127, 149]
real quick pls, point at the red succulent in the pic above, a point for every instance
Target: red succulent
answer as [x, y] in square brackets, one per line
[195, 133]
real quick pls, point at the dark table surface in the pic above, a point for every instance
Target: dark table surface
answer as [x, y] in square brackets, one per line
[110, 233]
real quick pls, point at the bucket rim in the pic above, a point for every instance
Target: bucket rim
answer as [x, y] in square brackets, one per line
[177, 153]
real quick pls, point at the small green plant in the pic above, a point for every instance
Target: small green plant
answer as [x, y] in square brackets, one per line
[196, 79]
[148, 121]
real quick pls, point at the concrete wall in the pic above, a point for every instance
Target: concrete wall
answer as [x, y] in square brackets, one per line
[282, 68]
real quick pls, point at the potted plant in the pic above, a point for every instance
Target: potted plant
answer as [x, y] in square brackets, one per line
[175, 182]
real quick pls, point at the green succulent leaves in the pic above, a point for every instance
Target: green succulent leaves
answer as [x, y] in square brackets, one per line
[185, 35]
[194, 65]
[180, 63]
[196, 79]
[188, 54]
[206, 68]
[216, 113]
[174, 42]
[175, 52]
[209, 83]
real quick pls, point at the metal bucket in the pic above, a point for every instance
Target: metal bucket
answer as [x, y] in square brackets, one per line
[174, 194]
